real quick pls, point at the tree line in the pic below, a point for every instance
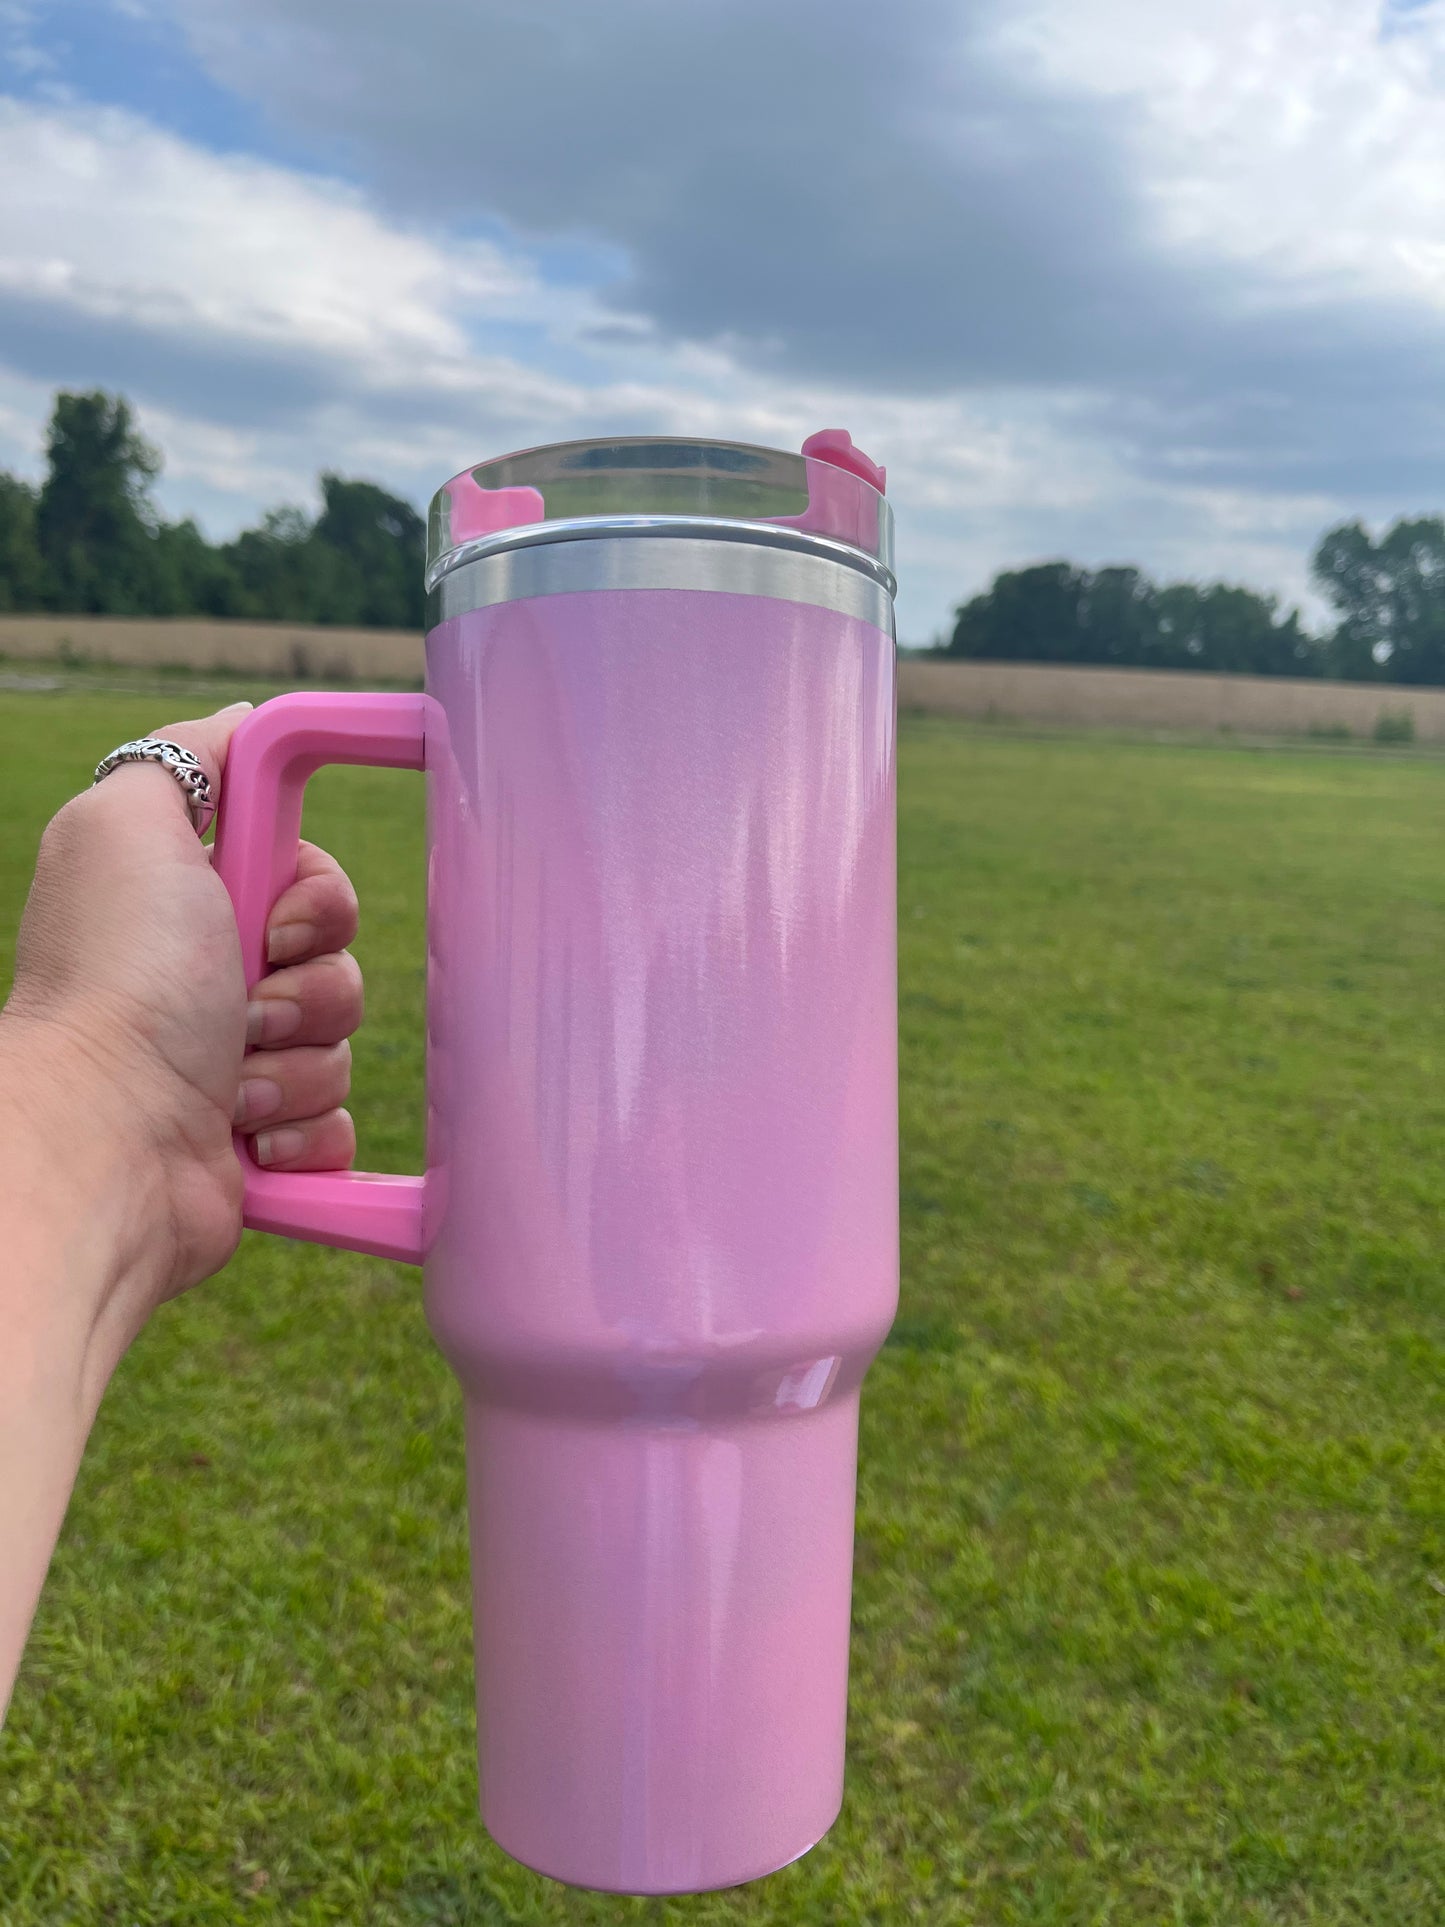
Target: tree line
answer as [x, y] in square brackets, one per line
[1388, 597]
[89, 540]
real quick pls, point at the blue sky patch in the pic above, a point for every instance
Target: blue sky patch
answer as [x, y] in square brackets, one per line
[119, 57]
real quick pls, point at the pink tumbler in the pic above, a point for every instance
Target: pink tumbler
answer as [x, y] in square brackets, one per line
[660, 1212]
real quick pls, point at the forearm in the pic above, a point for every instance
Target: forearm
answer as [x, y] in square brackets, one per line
[45, 1415]
[122, 1053]
[69, 1206]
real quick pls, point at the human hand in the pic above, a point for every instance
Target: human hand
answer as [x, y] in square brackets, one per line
[127, 1056]
[128, 1020]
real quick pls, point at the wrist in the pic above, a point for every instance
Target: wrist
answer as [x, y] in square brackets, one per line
[87, 1223]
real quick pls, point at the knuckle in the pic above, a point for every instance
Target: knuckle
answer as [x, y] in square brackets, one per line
[232, 1181]
[66, 828]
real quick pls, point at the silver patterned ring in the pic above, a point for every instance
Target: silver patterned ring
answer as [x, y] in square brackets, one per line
[183, 764]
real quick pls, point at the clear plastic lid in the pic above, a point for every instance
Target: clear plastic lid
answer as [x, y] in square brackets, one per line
[830, 490]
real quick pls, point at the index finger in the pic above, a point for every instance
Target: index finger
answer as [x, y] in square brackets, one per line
[206, 737]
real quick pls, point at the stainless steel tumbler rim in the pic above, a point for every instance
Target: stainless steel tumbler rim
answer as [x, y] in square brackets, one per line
[679, 559]
[588, 528]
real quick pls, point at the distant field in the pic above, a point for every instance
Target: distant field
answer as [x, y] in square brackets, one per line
[1174, 700]
[1150, 1609]
[293, 651]
[1028, 693]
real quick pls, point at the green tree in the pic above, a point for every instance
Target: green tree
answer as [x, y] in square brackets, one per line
[1390, 598]
[1029, 615]
[95, 525]
[269, 567]
[381, 543]
[1233, 631]
[360, 563]
[22, 575]
[1058, 613]
[1118, 618]
[192, 577]
[91, 541]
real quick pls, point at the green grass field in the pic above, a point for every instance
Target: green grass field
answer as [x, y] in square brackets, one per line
[1150, 1607]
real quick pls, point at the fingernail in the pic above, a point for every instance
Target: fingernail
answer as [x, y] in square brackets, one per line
[288, 940]
[257, 1097]
[271, 1020]
[278, 1147]
[231, 706]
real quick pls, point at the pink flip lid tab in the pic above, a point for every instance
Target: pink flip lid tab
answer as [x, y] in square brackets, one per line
[837, 507]
[478, 511]
[835, 445]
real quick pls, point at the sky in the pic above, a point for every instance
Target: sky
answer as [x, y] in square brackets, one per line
[1115, 280]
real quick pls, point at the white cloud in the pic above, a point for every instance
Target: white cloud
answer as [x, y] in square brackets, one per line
[270, 322]
[121, 218]
[127, 230]
[1298, 137]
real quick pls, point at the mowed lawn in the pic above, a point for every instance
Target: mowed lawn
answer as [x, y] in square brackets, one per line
[1150, 1607]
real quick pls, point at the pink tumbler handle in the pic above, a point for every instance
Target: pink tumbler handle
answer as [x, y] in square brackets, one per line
[272, 755]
